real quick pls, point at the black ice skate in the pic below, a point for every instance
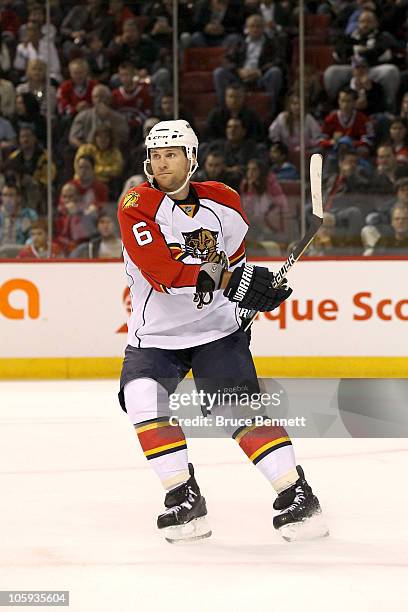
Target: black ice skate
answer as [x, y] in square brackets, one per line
[300, 517]
[184, 520]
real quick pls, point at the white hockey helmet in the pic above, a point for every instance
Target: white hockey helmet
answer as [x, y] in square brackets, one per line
[177, 133]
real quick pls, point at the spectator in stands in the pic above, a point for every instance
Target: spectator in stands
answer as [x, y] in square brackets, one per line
[120, 14]
[404, 107]
[325, 241]
[30, 158]
[81, 19]
[94, 193]
[88, 120]
[286, 127]
[214, 20]
[36, 15]
[233, 106]
[254, 61]
[98, 58]
[346, 196]
[264, 202]
[396, 242]
[277, 15]
[143, 53]
[352, 20]
[9, 20]
[347, 125]
[378, 222]
[137, 154]
[283, 169]
[15, 221]
[161, 22]
[108, 158]
[74, 222]
[36, 84]
[370, 95]
[5, 60]
[105, 245]
[132, 99]
[315, 95]
[385, 176]
[7, 98]
[36, 47]
[75, 94]
[28, 112]
[37, 246]
[166, 111]
[376, 48]
[7, 135]
[214, 169]
[398, 139]
[236, 148]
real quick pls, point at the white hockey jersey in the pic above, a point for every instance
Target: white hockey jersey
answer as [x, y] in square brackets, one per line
[165, 242]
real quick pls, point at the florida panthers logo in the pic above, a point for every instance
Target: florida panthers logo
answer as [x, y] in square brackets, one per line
[202, 244]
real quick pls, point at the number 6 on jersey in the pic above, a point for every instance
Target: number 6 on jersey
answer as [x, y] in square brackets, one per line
[144, 237]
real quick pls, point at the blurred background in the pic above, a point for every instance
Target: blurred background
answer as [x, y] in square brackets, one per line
[264, 84]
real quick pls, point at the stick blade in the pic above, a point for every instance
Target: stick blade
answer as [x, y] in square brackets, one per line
[316, 164]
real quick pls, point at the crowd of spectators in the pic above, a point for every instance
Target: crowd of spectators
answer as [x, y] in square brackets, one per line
[110, 65]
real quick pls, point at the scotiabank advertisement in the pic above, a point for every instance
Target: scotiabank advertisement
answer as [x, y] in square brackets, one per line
[338, 308]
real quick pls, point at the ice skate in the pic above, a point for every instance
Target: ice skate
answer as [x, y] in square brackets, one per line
[185, 517]
[300, 518]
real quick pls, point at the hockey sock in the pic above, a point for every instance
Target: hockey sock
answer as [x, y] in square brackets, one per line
[163, 444]
[271, 450]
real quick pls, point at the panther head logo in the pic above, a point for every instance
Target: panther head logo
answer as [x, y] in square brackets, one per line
[201, 243]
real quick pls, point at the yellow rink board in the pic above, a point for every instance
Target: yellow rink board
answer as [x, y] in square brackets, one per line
[278, 367]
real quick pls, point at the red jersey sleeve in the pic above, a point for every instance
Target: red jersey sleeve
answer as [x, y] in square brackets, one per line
[145, 244]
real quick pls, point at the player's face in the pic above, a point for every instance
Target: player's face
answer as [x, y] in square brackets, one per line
[170, 167]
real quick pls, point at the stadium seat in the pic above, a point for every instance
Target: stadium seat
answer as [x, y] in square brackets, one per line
[197, 82]
[201, 104]
[317, 28]
[290, 188]
[318, 56]
[203, 58]
[260, 103]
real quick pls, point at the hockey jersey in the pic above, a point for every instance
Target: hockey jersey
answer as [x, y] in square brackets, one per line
[164, 244]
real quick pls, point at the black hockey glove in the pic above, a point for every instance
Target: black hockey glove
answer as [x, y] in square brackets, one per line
[251, 287]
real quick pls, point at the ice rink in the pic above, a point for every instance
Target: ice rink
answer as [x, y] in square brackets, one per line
[79, 506]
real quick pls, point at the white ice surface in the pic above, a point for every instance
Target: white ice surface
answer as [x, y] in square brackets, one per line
[79, 505]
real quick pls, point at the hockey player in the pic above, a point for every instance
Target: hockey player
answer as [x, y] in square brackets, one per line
[184, 257]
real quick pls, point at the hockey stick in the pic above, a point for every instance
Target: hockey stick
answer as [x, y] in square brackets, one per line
[316, 162]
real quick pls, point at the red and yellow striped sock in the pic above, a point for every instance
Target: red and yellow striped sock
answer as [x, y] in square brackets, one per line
[165, 446]
[270, 449]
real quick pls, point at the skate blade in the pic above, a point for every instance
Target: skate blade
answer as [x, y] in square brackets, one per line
[197, 529]
[311, 528]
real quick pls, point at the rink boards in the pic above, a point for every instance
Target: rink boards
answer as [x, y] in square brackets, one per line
[346, 318]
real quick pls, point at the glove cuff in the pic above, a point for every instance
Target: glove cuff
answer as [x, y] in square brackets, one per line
[209, 277]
